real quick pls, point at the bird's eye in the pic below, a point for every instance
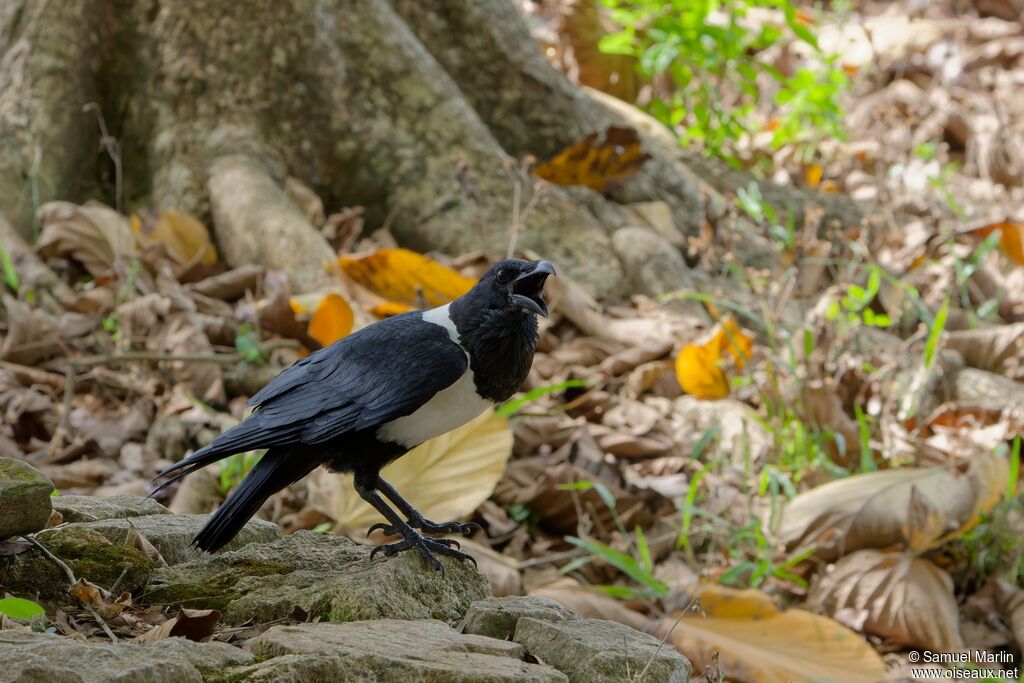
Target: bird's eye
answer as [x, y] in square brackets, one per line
[503, 275]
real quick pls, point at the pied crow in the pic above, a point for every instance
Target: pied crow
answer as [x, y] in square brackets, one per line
[371, 397]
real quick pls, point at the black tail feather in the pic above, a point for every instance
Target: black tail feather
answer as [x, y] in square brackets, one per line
[275, 470]
[196, 461]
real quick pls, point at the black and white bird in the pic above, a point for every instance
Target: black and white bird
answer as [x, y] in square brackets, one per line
[376, 394]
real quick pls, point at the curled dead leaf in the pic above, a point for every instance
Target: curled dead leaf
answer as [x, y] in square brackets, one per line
[92, 234]
[332, 317]
[192, 624]
[905, 599]
[879, 509]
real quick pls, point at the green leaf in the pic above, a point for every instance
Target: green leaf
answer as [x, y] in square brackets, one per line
[17, 608]
[643, 550]
[514, 405]
[10, 275]
[935, 333]
[621, 561]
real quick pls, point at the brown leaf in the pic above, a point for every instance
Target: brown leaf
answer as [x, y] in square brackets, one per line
[193, 624]
[904, 599]
[230, 285]
[186, 239]
[32, 334]
[996, 349]
[870, 510]
[598, 161]
[92, 234]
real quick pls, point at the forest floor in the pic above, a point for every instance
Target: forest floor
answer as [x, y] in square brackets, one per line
[827, 442]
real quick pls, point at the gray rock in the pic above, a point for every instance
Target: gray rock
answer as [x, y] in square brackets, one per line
[652, 265]
[387, 650]
[24, 498]
[322, 575]
[172, 534]
[90, 556]
[497, 617]
[599, 651]
[31, 657]
[91, 508]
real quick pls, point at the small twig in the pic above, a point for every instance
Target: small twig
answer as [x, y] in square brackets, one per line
[156, 356]
[693, 603]
[113, 147]
[518, 226]
[53, 558]
[72, 580]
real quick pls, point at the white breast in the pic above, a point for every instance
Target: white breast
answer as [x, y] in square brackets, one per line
[447, 409]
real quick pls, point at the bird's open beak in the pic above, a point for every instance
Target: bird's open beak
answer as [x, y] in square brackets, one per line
[528, 289]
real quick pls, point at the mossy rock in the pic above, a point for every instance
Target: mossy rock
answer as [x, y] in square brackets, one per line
[24, 498]
[89, 555]
[91, 508]
[321, 575]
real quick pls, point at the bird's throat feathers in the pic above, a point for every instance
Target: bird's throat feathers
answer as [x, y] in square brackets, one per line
[500, 341]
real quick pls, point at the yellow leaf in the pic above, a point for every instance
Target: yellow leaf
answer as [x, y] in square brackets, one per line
[598, 161]
[699, 374]
[760, 644]
[813, 174]
[699, 366]
[332, 319]
[446, 478]
[734, 341]
[387, 309]
[405, 277]
[186, 238]
[1011, 238]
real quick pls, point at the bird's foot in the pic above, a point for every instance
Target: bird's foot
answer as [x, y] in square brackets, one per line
[428, 527]
[426, 547]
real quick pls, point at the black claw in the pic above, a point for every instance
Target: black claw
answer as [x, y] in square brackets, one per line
[428, 527]
[426, 547]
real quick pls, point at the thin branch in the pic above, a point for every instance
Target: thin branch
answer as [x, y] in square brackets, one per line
[113, 147]
[72, 580]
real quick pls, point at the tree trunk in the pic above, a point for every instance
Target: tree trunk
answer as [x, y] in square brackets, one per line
[416, 111]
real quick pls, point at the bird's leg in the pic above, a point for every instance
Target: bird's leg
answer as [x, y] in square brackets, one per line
[416, 520]
[426, 547]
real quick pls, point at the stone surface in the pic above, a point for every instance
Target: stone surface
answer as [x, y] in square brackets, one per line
[24, 498]
[172, 534]
[599, 651]
[91, 508]
[89, 555]
[654, 266]
[45, 658]
[497, 617]
[322, 575]
[387, 650]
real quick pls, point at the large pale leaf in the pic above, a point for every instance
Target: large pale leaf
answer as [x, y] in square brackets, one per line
[913, 507]
[904, 599]
[758, 643]
[445, 478]
[185, 238]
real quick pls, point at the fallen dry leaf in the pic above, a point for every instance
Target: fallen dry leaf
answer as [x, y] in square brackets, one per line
[1011, 237]
[699, 365]
[758, 643]
[192, 624]
[905, 599]
[598, 161]
[405, 277]
[186, 239]
[876, 509]
[92, 234]
[332, 316]
[446, 478]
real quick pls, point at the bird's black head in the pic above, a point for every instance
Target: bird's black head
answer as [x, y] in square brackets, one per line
[515, 286]
[497, 323]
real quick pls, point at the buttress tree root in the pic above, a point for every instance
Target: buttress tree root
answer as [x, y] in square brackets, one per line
[420, 112]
